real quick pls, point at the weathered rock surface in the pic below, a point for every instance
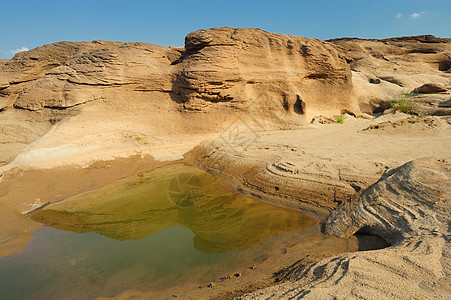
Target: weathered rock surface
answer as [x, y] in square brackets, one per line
[321, 168]
[382, 69]
[18, 129]
[285, 73]
[158, 93]
[415, 126]
[410, 209]
[222, 74]
[228, 68]
[72, 103]
[282, 71]
[430, 88]
[2, 62]
[412, 200]
[257, 74]
[25, 67]
[86, 75]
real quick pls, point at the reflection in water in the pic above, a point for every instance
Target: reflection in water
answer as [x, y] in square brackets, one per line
[176, 195]
[173, 226]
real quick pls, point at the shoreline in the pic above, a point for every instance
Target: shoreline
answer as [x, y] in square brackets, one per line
[21, 187]
[113, 171]
[102, 173]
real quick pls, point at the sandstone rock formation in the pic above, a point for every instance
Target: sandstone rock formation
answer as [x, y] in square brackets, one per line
[26, 67]
[382, 69]
[410, 209]
[430, 88]
[286, 73]
[65, 74]
[411, 125]
[236, 66]
[2, 62]
[74, 103]
[239, 65]
[412, 200]
[95, 90]
[321, 168]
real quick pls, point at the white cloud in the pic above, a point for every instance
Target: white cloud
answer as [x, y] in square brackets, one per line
[398, 16]
[417, 15]
[19, 50]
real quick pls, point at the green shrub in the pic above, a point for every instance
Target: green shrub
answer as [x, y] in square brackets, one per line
[340, 119]
[403, 102]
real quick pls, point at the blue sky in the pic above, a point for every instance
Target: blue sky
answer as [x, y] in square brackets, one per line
[26, 24]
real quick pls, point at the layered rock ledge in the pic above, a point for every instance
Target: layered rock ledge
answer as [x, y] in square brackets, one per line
[410, 209]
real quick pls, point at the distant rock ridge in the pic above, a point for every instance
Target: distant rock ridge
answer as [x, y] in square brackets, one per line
[427, 38]
[65, 74]
[230, 68]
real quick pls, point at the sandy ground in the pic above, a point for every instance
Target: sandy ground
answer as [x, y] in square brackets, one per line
[323, 166]
[340, 160]
[406, 204]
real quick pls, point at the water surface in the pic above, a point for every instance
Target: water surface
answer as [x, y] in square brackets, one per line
[171, 227]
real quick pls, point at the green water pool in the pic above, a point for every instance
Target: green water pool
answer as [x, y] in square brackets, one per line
[174, 226]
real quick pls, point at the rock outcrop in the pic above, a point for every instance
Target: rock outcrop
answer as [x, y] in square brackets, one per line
[430, 88]
[383, 69]
[284, 72]
[410, 201]
[28, 66]
[84, 71]
[234, 66]
[268, 81]
[410, 209]
[74, 103]
[2, 62]
[320, 168]
[237, 66]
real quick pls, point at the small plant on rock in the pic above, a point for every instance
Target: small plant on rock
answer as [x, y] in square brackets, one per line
[340, 119]
[3, 131]
[403, 102]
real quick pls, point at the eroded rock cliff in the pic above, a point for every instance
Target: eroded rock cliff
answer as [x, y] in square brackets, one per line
[285, 72]
[234, 66]
[267, 81]
[66, 74]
